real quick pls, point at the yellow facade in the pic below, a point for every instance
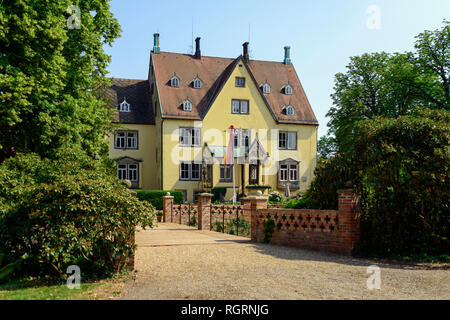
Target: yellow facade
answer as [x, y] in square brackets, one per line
[145, 153]
[161, 154]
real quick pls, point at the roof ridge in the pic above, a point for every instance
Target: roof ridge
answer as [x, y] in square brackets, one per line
[115, 78]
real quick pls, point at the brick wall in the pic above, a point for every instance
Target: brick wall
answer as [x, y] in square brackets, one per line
[324, 230]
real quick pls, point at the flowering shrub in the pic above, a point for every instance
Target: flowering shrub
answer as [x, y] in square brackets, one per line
[67, 211]
[276, 197]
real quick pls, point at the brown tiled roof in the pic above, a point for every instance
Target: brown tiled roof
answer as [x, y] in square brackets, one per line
[214, 72]
[137, 94]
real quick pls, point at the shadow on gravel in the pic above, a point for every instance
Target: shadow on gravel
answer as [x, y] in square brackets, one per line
[291, 253]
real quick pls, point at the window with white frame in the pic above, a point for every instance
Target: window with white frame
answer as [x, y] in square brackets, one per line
[124, 106]
[190, 137]
[197, 83]
[284, 172]
[242, 138]
[175, 82]
[289, 110]
[122, 171]
[226, 172]
[128, 172]
[293, 172]
[288, 172]
[287, 140]
[240, 82]
[125, 139]
[190, 171]
[187, 105]
[266, 88]
[288, 89]
[239, 106]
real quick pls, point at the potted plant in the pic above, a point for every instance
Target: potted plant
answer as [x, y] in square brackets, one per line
[253, 189]
[159, 215]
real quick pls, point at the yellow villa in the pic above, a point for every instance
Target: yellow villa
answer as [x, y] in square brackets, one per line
[176, 125]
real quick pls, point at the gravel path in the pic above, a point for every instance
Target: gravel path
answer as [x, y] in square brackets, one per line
[177, 262]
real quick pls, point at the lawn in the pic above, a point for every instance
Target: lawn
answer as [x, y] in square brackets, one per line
[35, 289]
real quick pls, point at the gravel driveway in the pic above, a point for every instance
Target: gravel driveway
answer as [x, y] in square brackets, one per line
[178, 262]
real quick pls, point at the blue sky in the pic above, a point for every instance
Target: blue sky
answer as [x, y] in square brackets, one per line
[323, 34]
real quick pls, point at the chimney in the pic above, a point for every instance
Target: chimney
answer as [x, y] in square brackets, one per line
[198, 54]
[156, 43]
[287, 55]
[246, 57]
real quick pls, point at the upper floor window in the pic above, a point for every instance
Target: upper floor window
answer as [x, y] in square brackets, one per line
[187, 105]
[175, 81]
[289, 110]
[125, 139]
[266, 88]
[124, 106]
[190, 137]
[242, 138]
[240, 82]
[288, 89]
[287, 140]
[197, 83]
[239, 106]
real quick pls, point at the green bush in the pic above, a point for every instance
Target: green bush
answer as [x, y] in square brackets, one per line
[275, 197]
[219, 193]
[404, 181]
[330, 175]
[155, 197]
[301, 203]
[64, 212]
[401, 169]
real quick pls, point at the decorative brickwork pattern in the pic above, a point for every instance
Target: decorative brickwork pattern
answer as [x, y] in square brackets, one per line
[325, 230]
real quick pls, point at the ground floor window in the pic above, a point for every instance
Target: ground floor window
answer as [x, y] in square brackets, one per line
[288, 174]
[190, 171]
[226, 172]
[128, 172]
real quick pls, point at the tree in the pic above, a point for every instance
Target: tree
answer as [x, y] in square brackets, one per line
[52, 76]
[391, 85]
[326, 147]
[433, 59]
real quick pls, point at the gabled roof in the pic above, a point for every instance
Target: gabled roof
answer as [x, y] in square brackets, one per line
[137, 94]
[214, 73]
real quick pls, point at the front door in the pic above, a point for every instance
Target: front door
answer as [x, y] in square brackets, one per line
[253, 175]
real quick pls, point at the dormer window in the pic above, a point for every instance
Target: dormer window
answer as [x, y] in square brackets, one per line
[266, 88]
[288, 89]
[187, 105]
[175, 82]
[124, 106]
[289, 110]
[197, 83]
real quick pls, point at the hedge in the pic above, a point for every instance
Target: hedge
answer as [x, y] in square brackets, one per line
[155, 197]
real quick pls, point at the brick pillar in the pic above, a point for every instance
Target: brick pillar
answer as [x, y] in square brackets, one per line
[204, 209]
[256, 203]
[349, 220]
[246, 208]
[167, 207]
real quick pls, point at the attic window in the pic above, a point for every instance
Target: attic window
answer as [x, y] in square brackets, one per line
[288, 89]
[175, 82]
[266, 87]
[289, 110]
[197, 83]
[124, 106]
[187, 105]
